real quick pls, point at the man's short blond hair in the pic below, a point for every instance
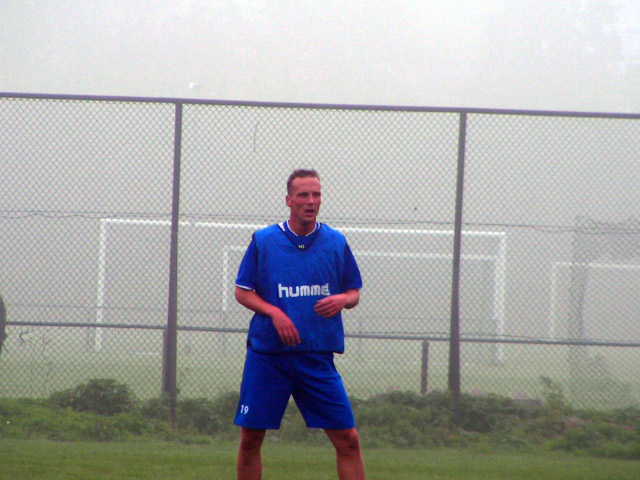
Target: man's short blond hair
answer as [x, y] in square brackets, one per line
[300, 173]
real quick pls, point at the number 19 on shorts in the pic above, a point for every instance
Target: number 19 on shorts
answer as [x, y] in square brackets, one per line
[244, 409]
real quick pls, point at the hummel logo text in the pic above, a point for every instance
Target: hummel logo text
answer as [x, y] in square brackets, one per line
[303, 290]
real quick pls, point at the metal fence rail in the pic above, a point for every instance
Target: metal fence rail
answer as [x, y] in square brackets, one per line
[123, 221]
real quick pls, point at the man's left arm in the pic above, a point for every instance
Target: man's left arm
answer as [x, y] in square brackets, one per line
[333, 304]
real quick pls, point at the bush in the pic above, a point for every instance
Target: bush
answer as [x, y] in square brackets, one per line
[105, 410]
[156, 408]
[200, 414]
[483, 414]
[205, 416]
[101, 396]
[38, 419]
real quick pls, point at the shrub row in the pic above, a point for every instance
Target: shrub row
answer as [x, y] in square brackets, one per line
[104, 410]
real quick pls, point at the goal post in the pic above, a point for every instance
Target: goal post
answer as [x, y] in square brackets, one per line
[103, 249]
[556, 288]
[497, 257]
[368, 244]
[596, 247]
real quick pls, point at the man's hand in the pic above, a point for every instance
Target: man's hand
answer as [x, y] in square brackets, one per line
[286, 329]
[331, 305]
[284, 326]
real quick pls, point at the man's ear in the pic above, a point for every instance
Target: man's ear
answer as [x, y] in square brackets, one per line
[287, 200]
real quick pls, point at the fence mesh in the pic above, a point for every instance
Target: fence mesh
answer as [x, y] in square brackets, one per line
[549, 266]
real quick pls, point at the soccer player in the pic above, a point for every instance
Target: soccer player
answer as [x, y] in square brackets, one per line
[297, 277]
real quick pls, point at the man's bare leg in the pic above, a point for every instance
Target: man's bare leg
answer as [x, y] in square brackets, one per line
[249, 459]
[348, 454]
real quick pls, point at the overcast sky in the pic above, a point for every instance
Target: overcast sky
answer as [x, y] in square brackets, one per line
[579, 55]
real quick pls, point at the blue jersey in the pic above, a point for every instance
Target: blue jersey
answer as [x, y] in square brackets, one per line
[293, 273]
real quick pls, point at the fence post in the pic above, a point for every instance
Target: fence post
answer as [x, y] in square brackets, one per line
[454, 339]
[169, 385]
[424, 368]
[3, 322]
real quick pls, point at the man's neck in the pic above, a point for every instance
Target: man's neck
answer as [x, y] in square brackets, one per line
[302, 230]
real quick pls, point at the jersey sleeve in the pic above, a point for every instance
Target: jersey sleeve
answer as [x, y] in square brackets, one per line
[248, 270]
[352, 277]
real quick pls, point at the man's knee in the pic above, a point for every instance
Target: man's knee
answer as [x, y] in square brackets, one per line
[251, 439]
[346, 442]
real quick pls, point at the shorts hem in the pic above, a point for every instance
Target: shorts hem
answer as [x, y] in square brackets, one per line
[332, 427]
[258, 427]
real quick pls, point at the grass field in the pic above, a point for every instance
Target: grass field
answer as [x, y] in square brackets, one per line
[46, 460]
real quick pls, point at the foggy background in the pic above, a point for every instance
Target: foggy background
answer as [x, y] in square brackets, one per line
[532, 54]
[70, 166]
[88, 185]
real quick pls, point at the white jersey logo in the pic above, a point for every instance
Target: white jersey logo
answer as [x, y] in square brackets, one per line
[303, 290]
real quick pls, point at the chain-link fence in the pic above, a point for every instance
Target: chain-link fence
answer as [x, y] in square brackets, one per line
[549, 264]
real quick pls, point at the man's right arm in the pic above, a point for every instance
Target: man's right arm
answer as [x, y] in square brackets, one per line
[281, 322]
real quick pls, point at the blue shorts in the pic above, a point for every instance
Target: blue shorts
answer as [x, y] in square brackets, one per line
[311, 377]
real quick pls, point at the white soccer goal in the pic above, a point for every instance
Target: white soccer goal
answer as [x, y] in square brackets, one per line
[496, 257]
[101, 286]
[557, 286]
[411, 245]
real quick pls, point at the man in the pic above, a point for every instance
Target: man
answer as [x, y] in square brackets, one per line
[297, 277]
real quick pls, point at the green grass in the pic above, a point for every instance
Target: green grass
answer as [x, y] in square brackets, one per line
[158, 460]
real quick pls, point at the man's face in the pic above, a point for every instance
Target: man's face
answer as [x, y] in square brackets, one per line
[304, 200]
